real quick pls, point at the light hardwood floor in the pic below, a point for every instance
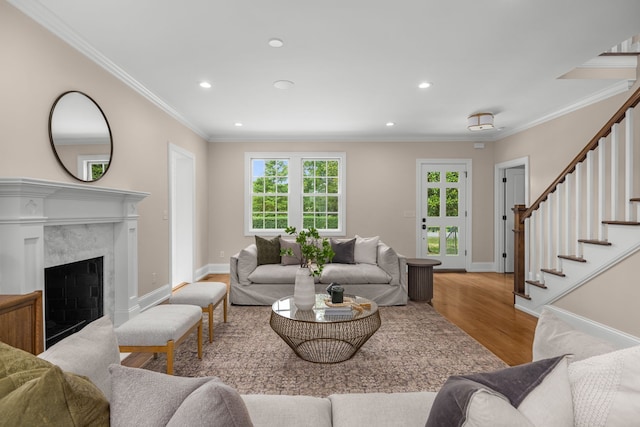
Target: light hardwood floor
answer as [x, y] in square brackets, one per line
[481, 304]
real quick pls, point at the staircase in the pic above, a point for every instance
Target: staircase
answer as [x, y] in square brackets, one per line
[586, 221]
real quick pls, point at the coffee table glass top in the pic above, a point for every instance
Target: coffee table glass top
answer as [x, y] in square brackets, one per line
[287, 309]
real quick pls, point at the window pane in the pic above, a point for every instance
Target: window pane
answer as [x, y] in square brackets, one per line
[307, 185]
[452, 240]
[270, 187]
[332, 221]
[452, 176]
[433, 240]
[321, 185]
[332, 185]
[258, 204]
[282, 185]
[452, 201]
[321, 204]
[332, 204]
[433, 202]
[433, 176]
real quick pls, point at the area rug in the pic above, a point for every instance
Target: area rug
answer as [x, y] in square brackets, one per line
[415, 349]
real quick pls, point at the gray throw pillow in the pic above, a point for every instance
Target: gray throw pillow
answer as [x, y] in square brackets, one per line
[268, 250]
[295, 248]
[146, 398]
[344, 251]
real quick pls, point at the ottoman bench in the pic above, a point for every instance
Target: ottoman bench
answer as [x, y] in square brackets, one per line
[160, 329]
[207, 295]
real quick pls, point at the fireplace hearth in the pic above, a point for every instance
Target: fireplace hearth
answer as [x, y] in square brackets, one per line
[74, 296]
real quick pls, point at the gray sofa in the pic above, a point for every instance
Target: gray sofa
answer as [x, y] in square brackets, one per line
[598, 386]
[383, 280]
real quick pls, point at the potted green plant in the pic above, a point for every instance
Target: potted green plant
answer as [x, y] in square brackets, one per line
[315, 252]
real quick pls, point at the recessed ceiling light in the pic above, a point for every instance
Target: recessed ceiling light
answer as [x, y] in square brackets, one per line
[389, 124]
[424, 85]
[283, 84]
[237, 124]
[205, 85]
[276, 43]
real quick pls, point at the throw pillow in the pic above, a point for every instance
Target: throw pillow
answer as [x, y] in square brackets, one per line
[268, 250]
[295, 248]
[554, 337]
[366, 251]
[539, 393]
[606, 389]
[88, 352]
[35, 392]
[192, 401]
[344, 251]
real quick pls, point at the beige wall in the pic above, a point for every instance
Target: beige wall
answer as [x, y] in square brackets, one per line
[36, 68]
[381, 186]
[610, 298]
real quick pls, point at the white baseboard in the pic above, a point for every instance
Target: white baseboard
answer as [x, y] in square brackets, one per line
[213, 269]
[618, 338]
[482, 267]
[154, 297]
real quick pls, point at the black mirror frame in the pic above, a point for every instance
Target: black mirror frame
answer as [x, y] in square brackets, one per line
[53, 146]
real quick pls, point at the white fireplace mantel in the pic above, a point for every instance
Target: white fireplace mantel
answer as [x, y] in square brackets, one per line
[28, 205]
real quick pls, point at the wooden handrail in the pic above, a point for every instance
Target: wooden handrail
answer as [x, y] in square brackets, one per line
[592, 145]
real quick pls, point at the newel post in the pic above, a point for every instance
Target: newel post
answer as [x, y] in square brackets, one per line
[519, 250]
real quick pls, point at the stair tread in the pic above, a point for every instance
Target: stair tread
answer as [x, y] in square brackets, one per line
[621, 222]
[536, 283]
[552, 271]
[595, 242]
[572, 258]
[521, 295]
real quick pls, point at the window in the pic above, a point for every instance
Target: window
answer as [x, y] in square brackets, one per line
[299, 189]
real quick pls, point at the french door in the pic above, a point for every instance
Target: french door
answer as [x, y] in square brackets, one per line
[443, 213]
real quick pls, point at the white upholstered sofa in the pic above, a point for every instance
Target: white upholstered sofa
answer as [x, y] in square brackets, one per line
[377, 273]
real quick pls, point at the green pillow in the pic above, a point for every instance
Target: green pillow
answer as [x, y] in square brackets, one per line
[268, 250]
[36, 392]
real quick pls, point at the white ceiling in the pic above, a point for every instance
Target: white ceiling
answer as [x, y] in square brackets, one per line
[356, 64]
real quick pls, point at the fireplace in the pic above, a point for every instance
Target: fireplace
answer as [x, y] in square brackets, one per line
[45, 223]
[73, 298]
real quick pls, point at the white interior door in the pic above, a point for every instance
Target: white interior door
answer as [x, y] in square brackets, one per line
[443, 214]
[514, 194]
[182, 191]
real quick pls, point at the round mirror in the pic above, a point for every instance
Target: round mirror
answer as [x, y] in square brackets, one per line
[80, 136]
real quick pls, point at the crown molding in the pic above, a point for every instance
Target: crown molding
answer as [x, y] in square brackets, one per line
[43, 16]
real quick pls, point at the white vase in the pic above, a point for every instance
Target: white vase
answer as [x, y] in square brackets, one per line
[304, 292]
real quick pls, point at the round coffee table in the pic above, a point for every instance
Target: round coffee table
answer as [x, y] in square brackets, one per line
[316, 336]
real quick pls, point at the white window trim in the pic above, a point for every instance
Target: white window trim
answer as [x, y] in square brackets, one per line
[295, 188]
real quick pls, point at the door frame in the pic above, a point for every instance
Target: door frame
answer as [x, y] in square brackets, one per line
[183, 211]
[468, 199]
[499, 234]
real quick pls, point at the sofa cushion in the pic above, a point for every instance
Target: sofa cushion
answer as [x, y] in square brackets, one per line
[606, 389]
[175, 400]
[295, 249]
[554, 337]
[36, 392]
[366, 250]
[381, 409]
[274, 274]
[88, 352]
[268, 250]
[288, 411]
[343, 251]
[247, 262]
[388, 261]
[353, 274]
[540, 391]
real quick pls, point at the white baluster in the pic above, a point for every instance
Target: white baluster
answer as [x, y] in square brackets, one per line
[533, 242]
[614, 172]
[568, 230]
[628, 186]
[558, 226]
[578, 204]
[601, 188]
[549, 230]
[589, 206]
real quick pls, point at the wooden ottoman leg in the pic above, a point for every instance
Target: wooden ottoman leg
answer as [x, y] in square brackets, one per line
[170, 357]
[199, 332]
[226, 303]
[210, 311]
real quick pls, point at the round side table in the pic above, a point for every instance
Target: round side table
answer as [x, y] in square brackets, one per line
[421, 278]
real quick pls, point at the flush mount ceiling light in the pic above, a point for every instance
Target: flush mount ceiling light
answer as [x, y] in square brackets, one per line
[276, 43]
[205, 85]
[480, 121]
[283, 84]
[424, 85]
[389, 124]
[238, 124]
